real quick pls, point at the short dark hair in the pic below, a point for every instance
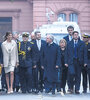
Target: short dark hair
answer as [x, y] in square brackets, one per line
[75, 32]
[37, 32]
[70, 27]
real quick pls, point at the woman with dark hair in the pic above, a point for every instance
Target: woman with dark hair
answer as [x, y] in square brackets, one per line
[10, 59]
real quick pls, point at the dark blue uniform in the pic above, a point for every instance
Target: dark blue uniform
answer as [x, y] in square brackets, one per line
[77, 57]
[88, 62]
[38, 71]
[26, 61]
[50, 58]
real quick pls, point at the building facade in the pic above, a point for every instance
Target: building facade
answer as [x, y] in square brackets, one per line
[25, 15]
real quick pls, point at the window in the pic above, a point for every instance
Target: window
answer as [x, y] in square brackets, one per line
[73, 17]
[5, 19]
[63, 16]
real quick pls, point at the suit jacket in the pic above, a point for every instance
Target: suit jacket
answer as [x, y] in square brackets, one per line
[81, 54]
[14, 53]
[38, 52]
[67, 38]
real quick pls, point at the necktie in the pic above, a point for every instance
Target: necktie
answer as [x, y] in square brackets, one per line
[75, 49]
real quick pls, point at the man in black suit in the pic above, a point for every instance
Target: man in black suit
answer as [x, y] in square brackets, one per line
[68, 38]
[70, 30]
[77, 58]
[38, 71]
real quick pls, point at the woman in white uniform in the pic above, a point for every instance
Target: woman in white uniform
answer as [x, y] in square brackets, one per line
[10, 59]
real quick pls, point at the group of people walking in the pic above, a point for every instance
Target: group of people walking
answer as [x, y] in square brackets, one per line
[38, 65]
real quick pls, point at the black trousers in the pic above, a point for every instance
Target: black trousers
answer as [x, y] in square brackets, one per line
[75, 79]
[16, 78]
[84, 75]
[25, 78]
[35, 78]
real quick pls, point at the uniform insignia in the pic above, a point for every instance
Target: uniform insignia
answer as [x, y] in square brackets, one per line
[29, 48]
[31, 42]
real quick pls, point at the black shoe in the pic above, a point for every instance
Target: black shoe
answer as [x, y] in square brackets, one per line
[37, 91]
[23, 92]
[58, 90]
[29, 91]
[33, 90]
[85, 91]
[70, 91]
[47, 91]
[77, 92]
[64, 91]
[41, 90]
[17, 88]
[53, 92]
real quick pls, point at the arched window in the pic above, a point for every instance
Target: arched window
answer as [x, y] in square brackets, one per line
[63, 16]
[73, 17]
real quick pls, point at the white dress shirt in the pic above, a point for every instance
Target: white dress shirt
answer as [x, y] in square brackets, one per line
[39, 44]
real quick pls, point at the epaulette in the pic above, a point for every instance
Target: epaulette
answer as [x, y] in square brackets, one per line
[32, 42]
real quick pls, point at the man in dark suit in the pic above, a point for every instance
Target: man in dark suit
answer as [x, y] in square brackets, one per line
[38, 71]
[50, 63]
[77, 58]
[16, 70]
[68, 38]
[70, 30]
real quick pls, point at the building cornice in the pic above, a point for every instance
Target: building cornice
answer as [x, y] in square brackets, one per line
[10, 10]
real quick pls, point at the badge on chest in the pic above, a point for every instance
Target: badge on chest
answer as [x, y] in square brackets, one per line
[28, 48]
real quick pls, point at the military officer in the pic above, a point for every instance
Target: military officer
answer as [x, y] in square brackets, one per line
[26, 61]
[86, 71]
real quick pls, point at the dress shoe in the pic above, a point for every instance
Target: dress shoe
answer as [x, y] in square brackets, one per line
[17, 88]
[41, 90]
[53, 92]
[85, 91]
[47, 90]
[33, 90]
[37, 91]
[29, 91]
[70, 92]
[23, 92]
[77, 92]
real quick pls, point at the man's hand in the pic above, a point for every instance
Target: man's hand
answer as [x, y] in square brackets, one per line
[57, 66]
[17, 64]
[42, 67]
[85, 65]
[66, 65]
[34, 66]
[1, 65]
